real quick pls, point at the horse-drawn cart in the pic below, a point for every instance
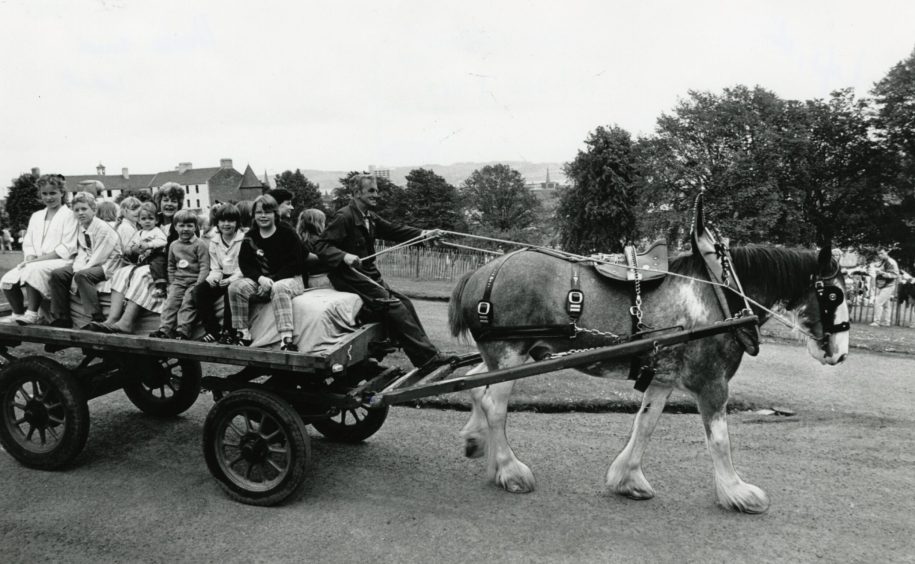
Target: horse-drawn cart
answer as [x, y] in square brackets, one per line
[254, 438]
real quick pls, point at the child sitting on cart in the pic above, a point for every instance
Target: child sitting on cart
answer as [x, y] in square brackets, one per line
[225, 243]
[48, 244]
[98, 252]
[272, 261]
[188, 266]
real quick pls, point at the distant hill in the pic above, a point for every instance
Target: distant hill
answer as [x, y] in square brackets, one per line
[455, 173]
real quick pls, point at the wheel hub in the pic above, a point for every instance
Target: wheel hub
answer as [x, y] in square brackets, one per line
[36, 414]
[253, 448]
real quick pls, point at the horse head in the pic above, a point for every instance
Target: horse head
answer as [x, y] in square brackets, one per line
[825, 312]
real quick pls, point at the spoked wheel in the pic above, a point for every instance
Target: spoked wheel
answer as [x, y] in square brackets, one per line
[162, 387]
[352, 425]
[256, 446]
[45, 415]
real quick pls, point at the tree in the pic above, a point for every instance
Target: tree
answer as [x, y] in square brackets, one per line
[729, 146]
[597, 213]
[433, 203]
[305, 194]
[22, 201]
[390, 196]
[496, 197]
[895, 125]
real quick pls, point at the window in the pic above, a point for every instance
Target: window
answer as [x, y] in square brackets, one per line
[198, 203]
[196, 188]
[187, 189]
[109, 193]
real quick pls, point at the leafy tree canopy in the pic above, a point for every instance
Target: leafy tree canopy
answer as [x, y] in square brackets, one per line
[22, 201]
[597, 213]
[432, 203]
[495, 197]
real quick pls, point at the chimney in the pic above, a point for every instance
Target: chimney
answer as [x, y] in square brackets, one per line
[124, 174]
[184, 167]
[36, 172]
[225, 163]
[100, 169]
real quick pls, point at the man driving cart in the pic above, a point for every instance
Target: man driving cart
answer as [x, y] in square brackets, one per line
[348, 238]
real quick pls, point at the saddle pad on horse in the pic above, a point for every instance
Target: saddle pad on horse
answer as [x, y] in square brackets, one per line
[647, 266]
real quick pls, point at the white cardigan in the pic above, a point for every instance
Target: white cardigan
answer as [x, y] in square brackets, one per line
[59, 238]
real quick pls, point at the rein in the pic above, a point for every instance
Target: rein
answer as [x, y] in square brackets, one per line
[833, 294]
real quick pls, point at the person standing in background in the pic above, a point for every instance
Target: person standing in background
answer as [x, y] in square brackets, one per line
[886, 273]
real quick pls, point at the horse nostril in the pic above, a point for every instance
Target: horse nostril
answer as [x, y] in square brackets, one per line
[842, 358]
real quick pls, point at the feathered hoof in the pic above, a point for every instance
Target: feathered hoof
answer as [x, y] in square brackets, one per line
[743, 497]
[516, 477]
[474, 447]
[632, 485]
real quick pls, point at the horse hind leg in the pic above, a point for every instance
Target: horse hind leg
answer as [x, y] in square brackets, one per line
[625, 475]
[732, 491]
[475, 431]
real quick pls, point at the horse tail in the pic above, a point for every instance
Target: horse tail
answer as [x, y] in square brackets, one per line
[459, 327]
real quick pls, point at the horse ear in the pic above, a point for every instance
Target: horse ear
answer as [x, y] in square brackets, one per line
[825, 259]
[698, 227]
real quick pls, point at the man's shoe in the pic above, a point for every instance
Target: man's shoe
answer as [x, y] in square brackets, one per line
[289, 346]
[62, 324]
[440, 359]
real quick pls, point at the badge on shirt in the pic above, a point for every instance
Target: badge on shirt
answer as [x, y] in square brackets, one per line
[183, 263]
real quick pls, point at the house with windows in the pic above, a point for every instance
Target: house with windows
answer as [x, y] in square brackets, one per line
[203, 187]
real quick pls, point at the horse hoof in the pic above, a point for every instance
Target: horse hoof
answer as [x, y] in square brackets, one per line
[745, 498]
[632, 485]
[516, 478]
[474, 448]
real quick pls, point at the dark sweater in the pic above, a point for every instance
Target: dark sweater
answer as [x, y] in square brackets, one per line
[277, 257]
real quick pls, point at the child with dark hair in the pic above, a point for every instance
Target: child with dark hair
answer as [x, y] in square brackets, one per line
[224, 246]
[188, 266]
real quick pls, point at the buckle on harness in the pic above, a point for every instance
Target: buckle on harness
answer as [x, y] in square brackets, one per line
[484, 311]
[575, 302]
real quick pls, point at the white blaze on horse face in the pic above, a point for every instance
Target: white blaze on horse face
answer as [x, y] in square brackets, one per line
[838, 342]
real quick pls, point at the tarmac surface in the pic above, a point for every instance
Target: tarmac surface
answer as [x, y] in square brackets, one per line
[839, 474]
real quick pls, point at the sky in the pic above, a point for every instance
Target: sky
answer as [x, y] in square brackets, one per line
[341, 85]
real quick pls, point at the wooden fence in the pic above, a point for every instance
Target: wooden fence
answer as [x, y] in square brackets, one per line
[421, 263]
[901, 313]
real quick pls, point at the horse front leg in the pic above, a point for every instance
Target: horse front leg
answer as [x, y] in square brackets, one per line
[625, 475]
[474, 432]
[503, 466]
[733, 493]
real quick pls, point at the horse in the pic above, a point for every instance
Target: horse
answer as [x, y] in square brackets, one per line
[531, 289]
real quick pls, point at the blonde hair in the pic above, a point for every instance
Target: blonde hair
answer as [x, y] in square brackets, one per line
[84, 198]
[310, 224]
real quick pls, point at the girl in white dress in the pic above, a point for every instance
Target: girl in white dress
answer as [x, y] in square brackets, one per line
[49, 243]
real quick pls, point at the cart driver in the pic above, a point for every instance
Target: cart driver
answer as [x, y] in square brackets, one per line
[349, 236]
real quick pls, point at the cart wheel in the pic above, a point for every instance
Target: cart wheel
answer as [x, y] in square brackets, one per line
[45, 415]
[256, 445]
[352, 425]
[164, 387]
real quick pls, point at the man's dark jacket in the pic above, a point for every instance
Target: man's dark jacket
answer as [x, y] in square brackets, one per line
[347, 233]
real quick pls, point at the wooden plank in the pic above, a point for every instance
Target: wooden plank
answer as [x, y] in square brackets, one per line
[355, 344]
